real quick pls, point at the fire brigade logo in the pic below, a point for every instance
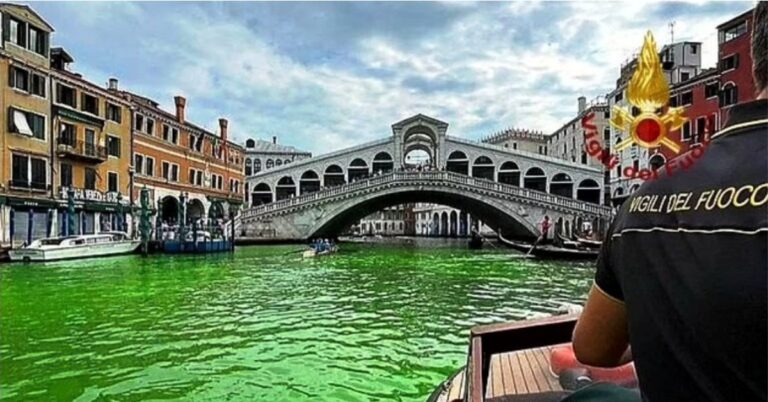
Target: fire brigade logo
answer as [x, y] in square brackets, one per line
[648, 90]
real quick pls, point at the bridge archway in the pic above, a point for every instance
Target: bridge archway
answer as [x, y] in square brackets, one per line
[285, 188]
[483, 168]
[562, 185]
[588, 191]
[309, 182]
[457, 162]
[358, 169]
[383, 163]
[444, 224]
[535, 179]
[261, 194]
[333, 176]
[509, 173]
[503, 215]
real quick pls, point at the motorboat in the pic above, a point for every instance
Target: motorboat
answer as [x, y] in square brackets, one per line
[80, 246]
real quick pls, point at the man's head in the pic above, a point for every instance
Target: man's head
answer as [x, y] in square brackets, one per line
[760, 49]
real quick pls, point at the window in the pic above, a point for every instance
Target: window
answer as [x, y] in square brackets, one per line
[514, 145]
[192, 176]
[65, 174]
[711, 90]
[66, 95]
[67, 134]
[150, 129]
[150, 168]
[694, 48]
[673, 101]
[636, 164]
[90, 104]
[686, 98]
[618, 170]
[730, 95]
[19, 78]
[619, 96]
[175, 136]
[166, 132]
[114, 113]
[686, 133]
[701, 128]
[170, 134]
[729, 63]
[26, 123]
[90, 179]
[113, 146]
[112, 185]
[17, 32]
[733, 32]
[38, 85]
[37, 41]
[39, 173]
[138, 164]
[174, 172]
[607, 114]
[684, 77]
[138, 123]
[166, 170]
[20, 171]
[199, 181]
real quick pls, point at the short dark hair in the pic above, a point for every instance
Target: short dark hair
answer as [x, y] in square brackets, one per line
[760, 45]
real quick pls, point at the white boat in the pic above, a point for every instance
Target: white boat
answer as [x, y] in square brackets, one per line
[311, 253]
[69, 247]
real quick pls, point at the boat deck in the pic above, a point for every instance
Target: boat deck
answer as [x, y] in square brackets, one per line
[512, 373]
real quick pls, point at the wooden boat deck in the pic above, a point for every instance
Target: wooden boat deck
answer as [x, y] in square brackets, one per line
[512, 373]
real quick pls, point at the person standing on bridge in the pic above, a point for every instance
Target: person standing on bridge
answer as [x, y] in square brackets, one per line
[688, 286]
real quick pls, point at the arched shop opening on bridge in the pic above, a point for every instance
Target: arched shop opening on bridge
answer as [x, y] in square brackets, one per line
[535, 179]
[383, 163]
[509, 173]
[333, 176]
[483, 168]
[561, 185]
[418, 157]
[261, 194]
[285, 188]
[358, 169]
[588, 191]
[420, 138]
[309, 182]
[457, 162]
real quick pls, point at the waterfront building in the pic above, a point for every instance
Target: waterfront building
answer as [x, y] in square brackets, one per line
[178, 161]
[261, 155]
[735, 62]
[519, 139]
[91, 155]
[27, 204]
[699, 97]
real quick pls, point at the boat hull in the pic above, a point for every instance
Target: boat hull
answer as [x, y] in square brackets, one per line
[74, 252]
[547, 252]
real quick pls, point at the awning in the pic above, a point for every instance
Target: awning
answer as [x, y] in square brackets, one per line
[21, 124]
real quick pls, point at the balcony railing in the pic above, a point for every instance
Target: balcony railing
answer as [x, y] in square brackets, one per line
[25, 184]
[81, 149]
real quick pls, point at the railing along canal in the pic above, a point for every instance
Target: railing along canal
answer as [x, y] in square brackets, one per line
[432, 177]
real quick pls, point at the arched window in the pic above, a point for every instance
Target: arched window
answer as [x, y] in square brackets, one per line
[535, 179]
[286, 188]
[256, 166]
[309, 182]
[333, 176]
[358, 169]
[509, 173]
[561, 185]
[250, 143]
[279, 162]
[248, 167]
[270, 163]
[261, 194]
[383, 163]
[483, 168]
[588, 191]
[457, 162]
[657, 161]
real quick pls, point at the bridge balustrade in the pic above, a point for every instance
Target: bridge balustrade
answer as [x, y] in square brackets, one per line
[400, 177]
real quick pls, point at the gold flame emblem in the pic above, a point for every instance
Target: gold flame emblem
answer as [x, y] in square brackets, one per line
[648, 90]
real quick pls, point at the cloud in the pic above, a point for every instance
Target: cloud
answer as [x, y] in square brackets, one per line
[322, 76]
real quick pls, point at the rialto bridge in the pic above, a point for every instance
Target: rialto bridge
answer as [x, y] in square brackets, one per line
[511, 189]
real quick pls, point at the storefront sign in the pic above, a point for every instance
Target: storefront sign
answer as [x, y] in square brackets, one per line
[91, 195]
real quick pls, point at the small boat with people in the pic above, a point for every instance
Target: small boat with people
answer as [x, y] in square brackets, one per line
[550, 252]
[320, 247]
[79, 246]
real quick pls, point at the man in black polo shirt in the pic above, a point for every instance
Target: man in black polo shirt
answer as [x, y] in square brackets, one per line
[682, 274]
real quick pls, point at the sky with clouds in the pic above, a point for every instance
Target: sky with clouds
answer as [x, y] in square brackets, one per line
[323, 76]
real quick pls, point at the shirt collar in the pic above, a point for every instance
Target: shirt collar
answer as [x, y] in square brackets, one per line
[746, 112]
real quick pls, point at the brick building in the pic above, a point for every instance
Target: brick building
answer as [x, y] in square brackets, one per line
[178, 161]
[735, 62]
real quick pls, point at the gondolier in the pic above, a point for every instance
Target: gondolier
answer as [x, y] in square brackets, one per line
[686, 281]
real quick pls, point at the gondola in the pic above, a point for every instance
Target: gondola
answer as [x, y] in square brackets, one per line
[589, 243]
[549, 252]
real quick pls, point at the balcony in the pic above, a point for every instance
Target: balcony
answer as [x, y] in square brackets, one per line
[80, 150]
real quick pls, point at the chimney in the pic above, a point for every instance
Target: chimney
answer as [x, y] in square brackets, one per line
[181, 103]
[223, 129]
[112, 84]
[582, 104]
[274, 139]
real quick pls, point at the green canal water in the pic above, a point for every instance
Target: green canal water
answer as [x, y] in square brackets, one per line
[381, 323]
